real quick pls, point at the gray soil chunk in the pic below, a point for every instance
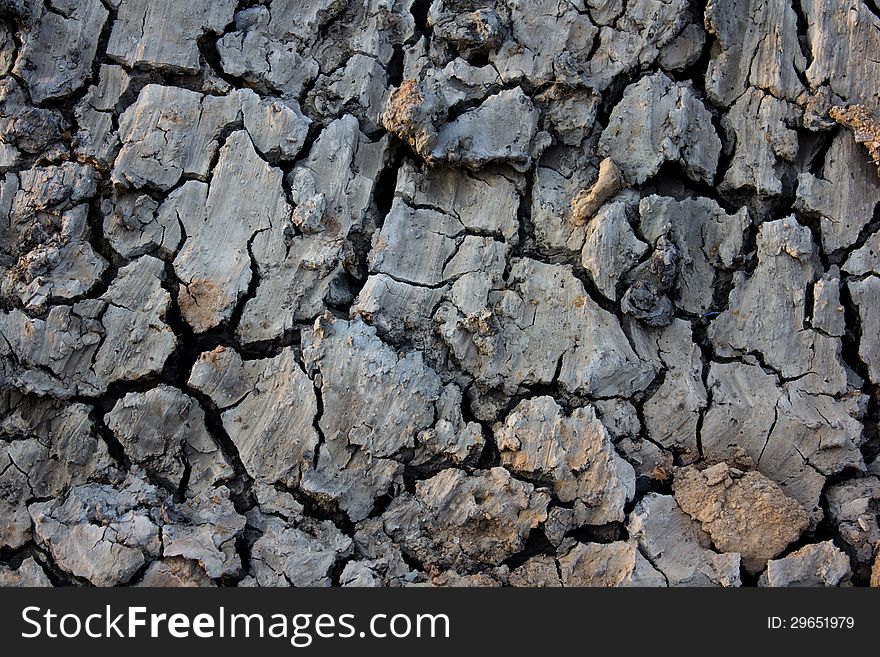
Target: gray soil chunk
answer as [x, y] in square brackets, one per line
[639, 143]
[122, 336]
[573, 454]
[543, 321]
[133, 42]
[820, 564]
[163, 430]
[765, 317]
[59, 46]
[267, 408]
[607, 564]
[460, 520]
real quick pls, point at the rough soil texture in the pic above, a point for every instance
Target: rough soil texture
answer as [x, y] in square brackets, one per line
[398, 292]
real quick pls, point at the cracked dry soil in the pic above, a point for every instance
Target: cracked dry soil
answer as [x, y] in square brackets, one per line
[393, 292]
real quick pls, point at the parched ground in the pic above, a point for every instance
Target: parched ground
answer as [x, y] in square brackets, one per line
[392, 292]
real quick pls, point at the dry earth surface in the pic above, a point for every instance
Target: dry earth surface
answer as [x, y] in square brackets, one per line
[396, 292]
